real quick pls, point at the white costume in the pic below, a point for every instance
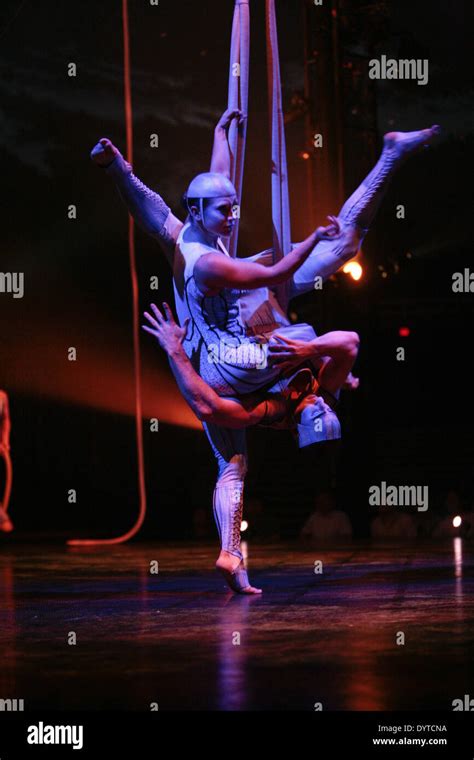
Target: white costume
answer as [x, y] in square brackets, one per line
[244, 319]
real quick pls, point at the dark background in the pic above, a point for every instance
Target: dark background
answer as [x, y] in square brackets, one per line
[72, 422]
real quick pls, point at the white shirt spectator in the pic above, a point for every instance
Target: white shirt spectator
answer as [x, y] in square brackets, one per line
[393, 526]
[333, 524]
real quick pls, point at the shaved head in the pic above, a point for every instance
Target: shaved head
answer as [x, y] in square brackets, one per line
[211, 185]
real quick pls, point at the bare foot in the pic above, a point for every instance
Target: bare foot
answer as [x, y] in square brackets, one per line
[104, 152]
[406, 143]
[352, 383]
[232, 569]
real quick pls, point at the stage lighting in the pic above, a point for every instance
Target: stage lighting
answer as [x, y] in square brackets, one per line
[457, 521]
[243, 525]
[354, 269]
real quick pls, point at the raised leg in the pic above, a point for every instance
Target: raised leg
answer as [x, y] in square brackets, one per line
[358, 212]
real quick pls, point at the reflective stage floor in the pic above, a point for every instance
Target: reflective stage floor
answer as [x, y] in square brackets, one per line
[371, 628]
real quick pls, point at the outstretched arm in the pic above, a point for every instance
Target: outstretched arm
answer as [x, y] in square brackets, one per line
[147, 207]
[203, 400]
[214, 271]
[221, 160]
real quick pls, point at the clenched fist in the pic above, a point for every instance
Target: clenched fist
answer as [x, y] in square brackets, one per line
[104, 152]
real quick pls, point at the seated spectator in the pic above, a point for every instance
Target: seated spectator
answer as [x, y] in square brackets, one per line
[391, 524]
[261, 524]
[202, 525]
[326, 522]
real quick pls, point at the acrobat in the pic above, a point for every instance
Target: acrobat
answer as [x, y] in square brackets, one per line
[231, 302]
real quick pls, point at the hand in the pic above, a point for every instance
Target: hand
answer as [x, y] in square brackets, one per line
[289, 354]
[331, 232]
[227, 117]
[104, 152]
[169, 335]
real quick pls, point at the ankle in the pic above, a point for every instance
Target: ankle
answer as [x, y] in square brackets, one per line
[227, 559]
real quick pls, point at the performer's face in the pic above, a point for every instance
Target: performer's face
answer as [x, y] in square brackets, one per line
[219, 215]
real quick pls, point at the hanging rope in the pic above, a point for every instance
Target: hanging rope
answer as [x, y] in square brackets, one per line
[5, 448]
[135, 306]
[280, 195]
[238, 98]
[8, 479]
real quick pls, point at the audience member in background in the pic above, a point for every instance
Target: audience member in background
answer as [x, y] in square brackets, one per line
[326, 523]
[392, 524]
[261, 525]
[202, 524]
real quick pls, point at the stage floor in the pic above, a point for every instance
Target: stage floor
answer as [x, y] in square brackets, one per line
[172, 638]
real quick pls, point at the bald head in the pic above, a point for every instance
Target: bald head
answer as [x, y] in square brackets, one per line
[211, 200]
[211, 185]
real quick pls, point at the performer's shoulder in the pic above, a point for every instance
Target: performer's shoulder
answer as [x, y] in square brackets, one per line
[173, 227]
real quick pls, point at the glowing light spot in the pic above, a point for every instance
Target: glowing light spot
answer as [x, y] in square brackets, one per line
[354, 269]
[243, 525]
[457, 521]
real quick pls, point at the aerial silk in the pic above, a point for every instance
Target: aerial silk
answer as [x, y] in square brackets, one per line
[238, 98]
[280, 196]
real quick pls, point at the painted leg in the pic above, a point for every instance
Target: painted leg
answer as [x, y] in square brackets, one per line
[360, 209]
[339, 350]
[358, 212]
[230, 449]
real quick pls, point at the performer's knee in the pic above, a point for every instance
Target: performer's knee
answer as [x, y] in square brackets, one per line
[352, 343]
[233, 471]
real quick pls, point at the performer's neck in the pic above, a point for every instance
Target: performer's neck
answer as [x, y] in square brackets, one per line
[198, 235]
